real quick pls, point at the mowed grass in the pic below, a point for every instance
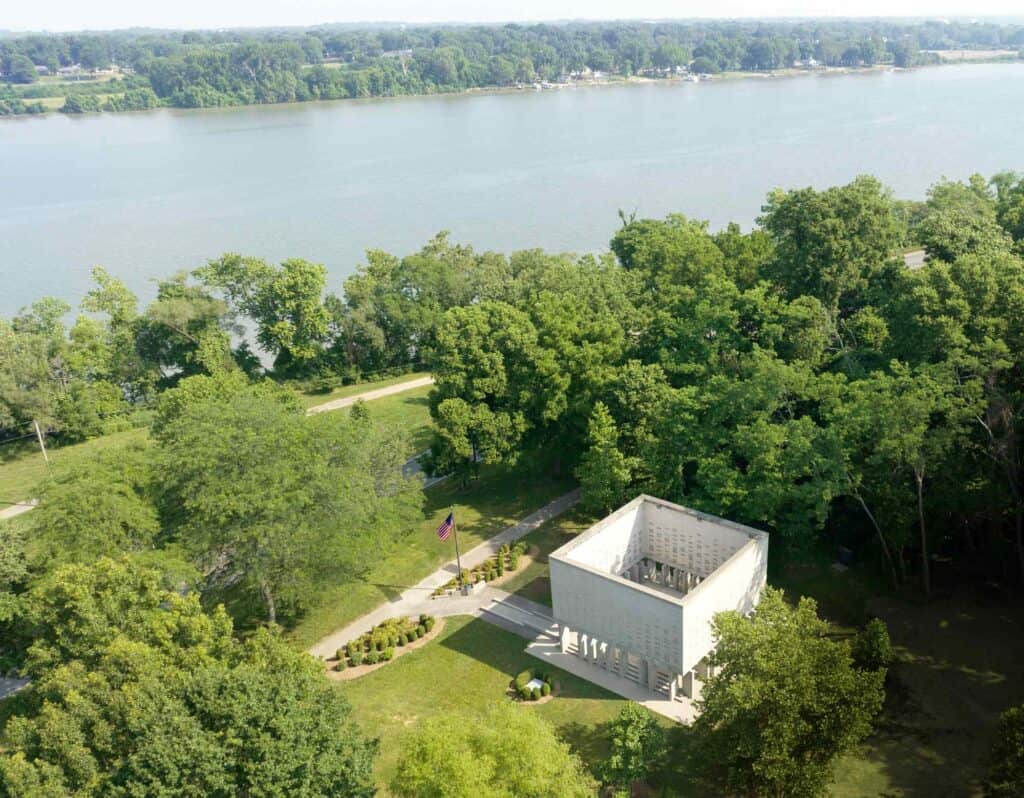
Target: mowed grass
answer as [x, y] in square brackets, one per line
[499, 498]
[313, 398]
[534, 582]
[467, 668]
[22, 467]
[408, 411]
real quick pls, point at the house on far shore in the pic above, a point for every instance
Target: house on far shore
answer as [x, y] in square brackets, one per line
[635, 595]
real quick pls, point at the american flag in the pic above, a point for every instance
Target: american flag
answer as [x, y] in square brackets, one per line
[445, 529]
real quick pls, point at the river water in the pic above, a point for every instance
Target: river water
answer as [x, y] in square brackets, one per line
[151, 193]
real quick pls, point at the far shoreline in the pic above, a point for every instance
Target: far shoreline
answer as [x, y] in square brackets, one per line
[633, 80]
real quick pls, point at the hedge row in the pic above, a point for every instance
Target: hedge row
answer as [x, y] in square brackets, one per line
[379, 644]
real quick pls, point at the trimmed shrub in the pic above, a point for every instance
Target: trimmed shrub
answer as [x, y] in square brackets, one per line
[429, 624]
[421, 630]
[872, 648]
[357, 658]
[501, 565]
[524, 693]
[545, 689]
[372, 658]
[341, 653]
[513, 561]
[403, 639]
[389, 654]
[341, 664]
[522, 678]
[535, 694]
[350, 647]
[423, 619]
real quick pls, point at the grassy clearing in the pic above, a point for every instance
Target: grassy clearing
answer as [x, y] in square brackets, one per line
[409, 411]
[312, 398]
[23, 468]
[468, 667]
[498, 499]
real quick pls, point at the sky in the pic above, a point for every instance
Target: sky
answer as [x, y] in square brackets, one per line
[65, 15]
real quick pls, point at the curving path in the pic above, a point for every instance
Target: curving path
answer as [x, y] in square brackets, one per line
[488, 603]
[368, 396]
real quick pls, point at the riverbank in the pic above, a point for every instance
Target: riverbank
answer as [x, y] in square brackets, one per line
[55, 104]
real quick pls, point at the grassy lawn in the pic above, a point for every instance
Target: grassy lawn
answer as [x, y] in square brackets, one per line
[498, 499]
[312, 398]
[407, 410]
[533, 581]
[22, 468]
[466, 668]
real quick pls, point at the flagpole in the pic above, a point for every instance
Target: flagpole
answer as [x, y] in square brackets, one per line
[458, 559]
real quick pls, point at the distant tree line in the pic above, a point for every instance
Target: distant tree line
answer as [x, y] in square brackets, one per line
[199, 69]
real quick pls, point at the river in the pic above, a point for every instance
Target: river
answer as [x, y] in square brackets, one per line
[151, 193]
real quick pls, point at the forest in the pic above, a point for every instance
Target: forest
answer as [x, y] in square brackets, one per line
[799, 377]
[198, 69]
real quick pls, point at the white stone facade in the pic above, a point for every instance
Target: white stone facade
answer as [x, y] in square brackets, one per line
[635, 593]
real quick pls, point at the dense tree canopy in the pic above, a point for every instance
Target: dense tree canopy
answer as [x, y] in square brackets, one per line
[137, 691]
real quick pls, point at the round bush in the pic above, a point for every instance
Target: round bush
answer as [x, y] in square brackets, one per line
[421, 630]
[535, 694]
[341, 664]
[524, 693]
[423, 619]
[545, 689]
[388, 655]
[350, 647]
[357, 658]
[372, 658]
[522, 678]
[429, 624]
[403, 639]
[341, 653]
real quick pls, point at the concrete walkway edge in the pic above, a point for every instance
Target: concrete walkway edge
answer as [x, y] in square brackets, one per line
[416, 599]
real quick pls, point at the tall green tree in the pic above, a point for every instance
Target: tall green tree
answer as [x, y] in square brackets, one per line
[638, 747]
[785, 703]
[281, 501]
[604, 472]
[505, 752]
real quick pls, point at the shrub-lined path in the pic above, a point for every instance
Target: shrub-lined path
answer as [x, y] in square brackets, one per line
[513, 613]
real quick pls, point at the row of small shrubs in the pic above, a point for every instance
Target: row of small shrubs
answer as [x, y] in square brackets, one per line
[379, 644]
[527, 693]
[507, 559]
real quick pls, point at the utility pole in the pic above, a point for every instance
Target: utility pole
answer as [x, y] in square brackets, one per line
[42, 446]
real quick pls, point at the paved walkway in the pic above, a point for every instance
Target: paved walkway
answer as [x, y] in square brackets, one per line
[682, 710]
[416, 599]
[9, 687]
[15, 510]
[368, 396]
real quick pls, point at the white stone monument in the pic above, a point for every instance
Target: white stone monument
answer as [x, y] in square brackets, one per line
[635, 593]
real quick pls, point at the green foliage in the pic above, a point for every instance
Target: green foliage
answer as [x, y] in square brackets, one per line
[872, 648]
[135, 686]
[786, 703]
[100, 507]
[285, 303]
[605, 473]
[505, 752]
[1006, 777]
[638, 745]
[263, 503]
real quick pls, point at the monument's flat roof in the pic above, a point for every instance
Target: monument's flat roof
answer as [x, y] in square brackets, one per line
[736, 538]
